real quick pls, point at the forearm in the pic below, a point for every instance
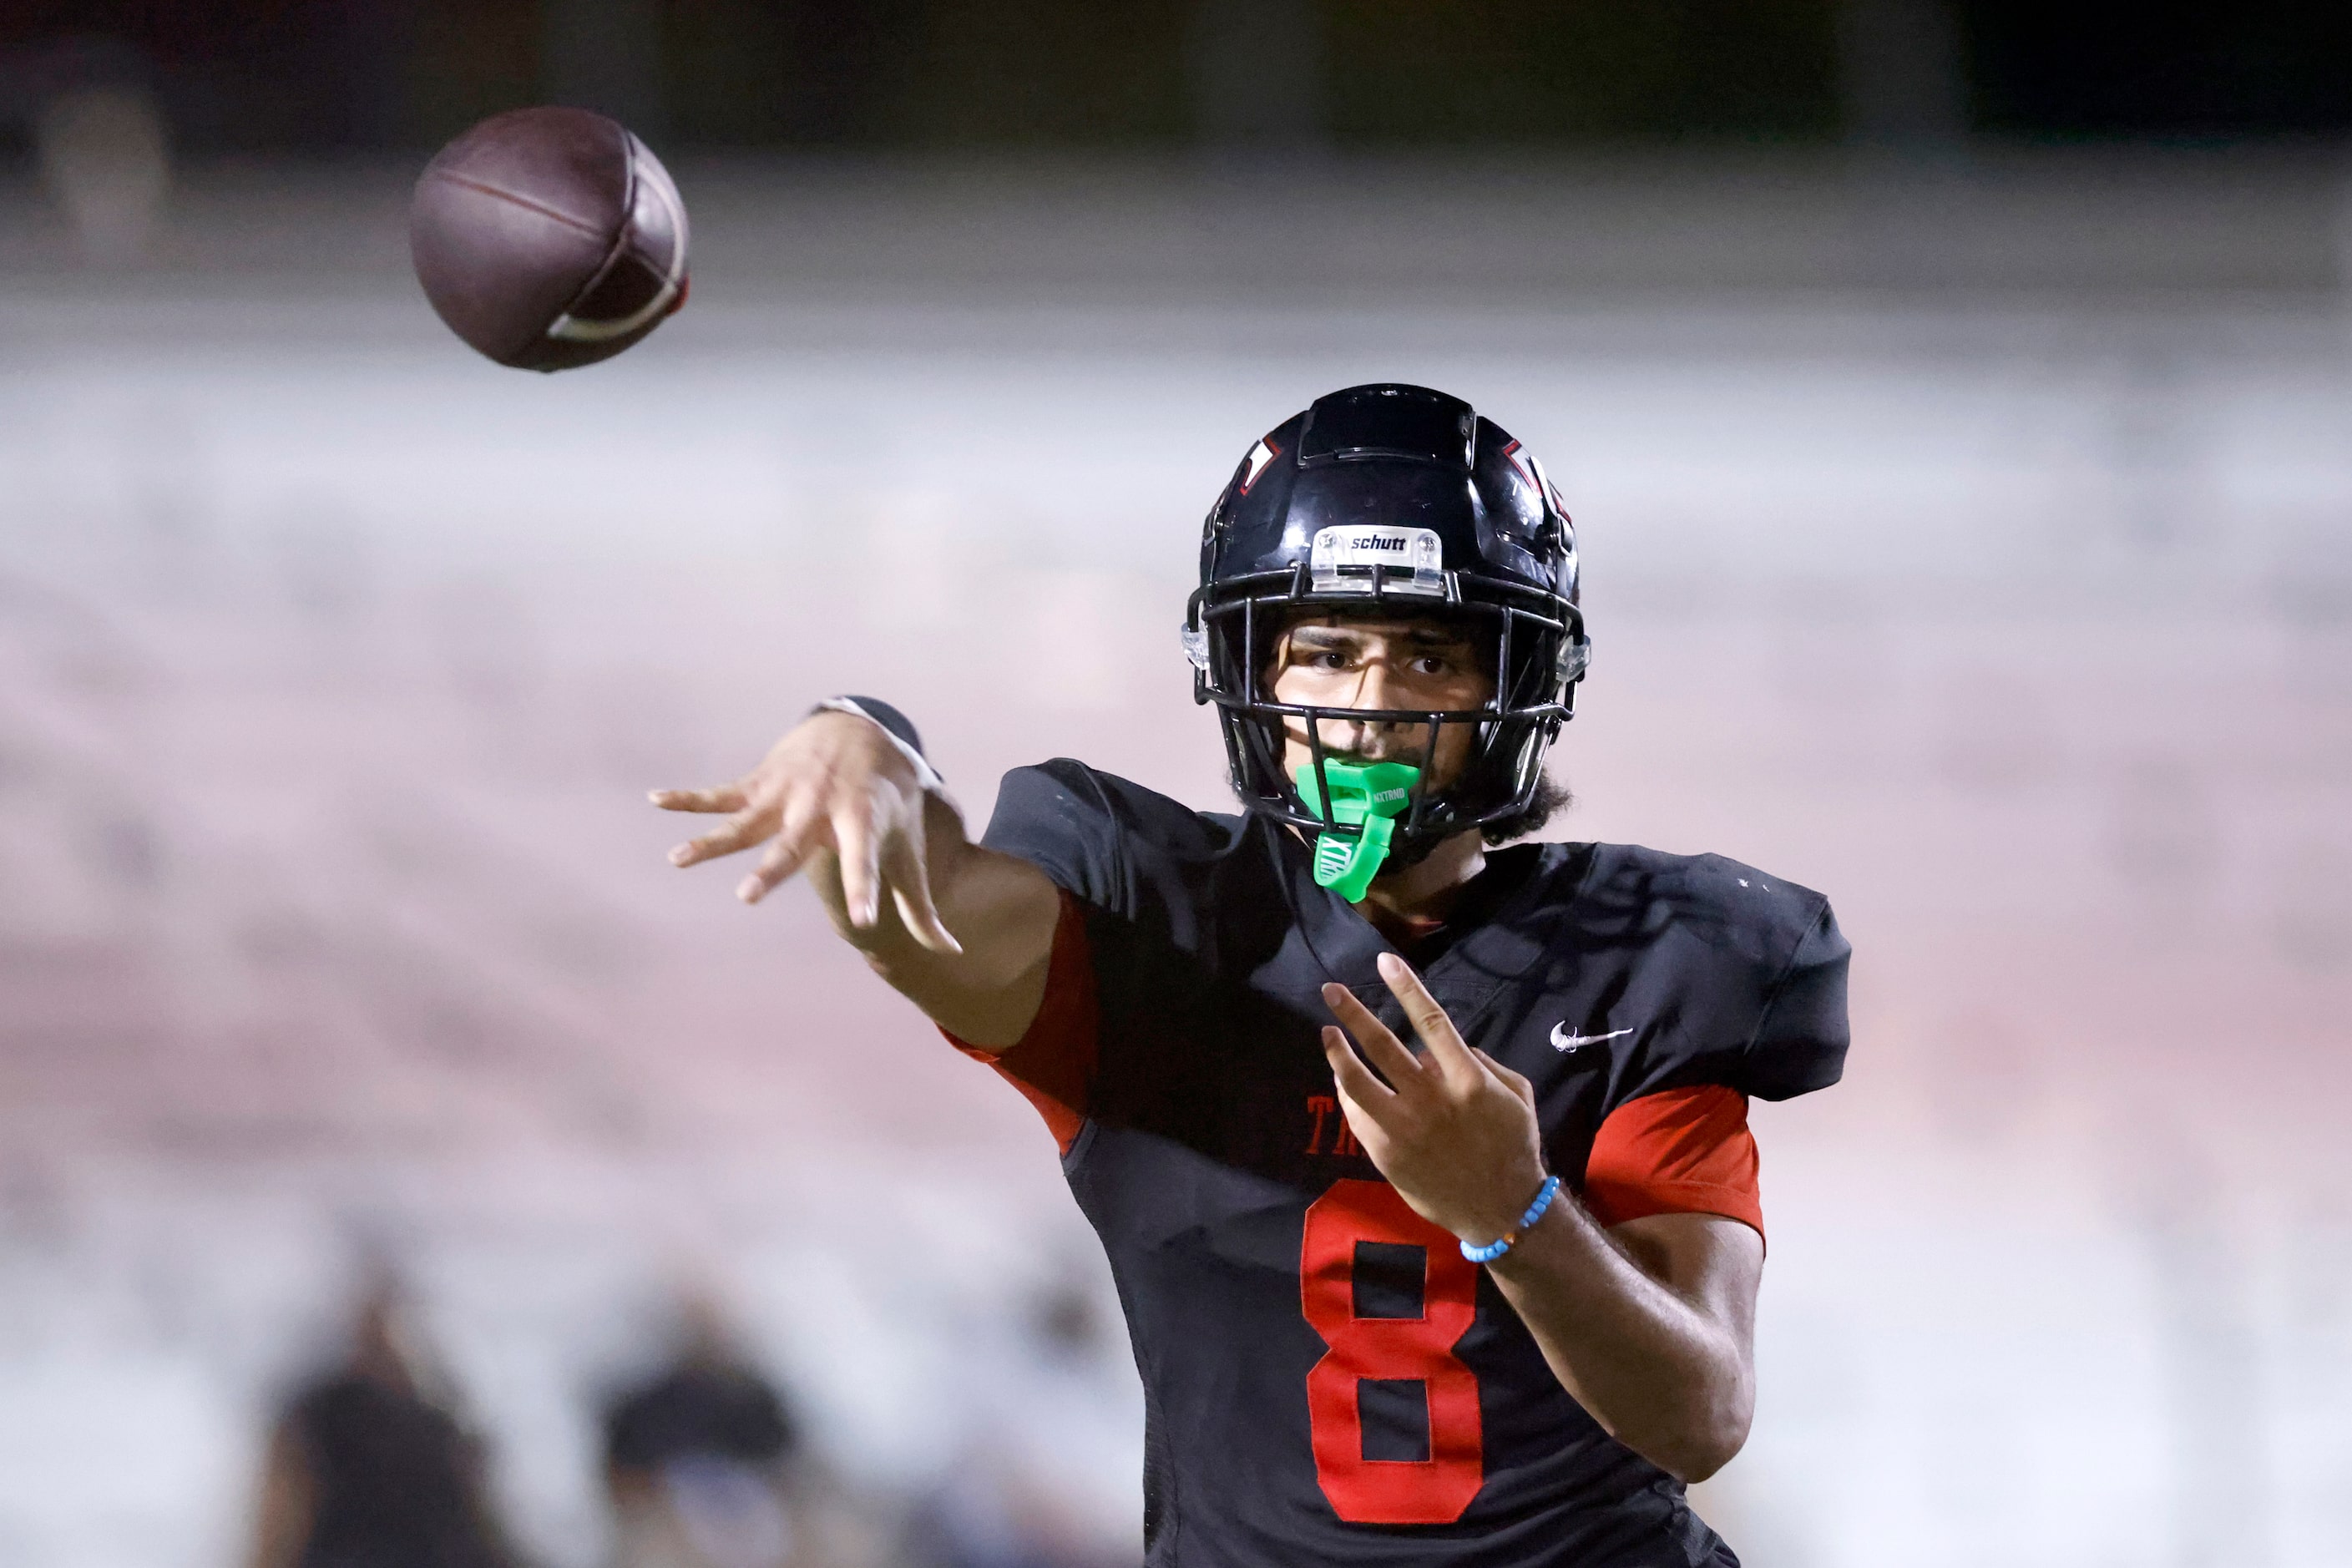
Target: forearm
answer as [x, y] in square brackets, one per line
[1665, 1375]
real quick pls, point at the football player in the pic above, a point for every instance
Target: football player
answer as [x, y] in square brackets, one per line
[1421, 1162]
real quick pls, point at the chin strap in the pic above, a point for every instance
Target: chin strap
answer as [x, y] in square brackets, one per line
[1369, 796]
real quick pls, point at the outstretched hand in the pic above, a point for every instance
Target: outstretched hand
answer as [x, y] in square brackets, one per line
[835, 785]
[1453, 1129]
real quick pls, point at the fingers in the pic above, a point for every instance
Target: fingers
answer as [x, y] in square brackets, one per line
[749, 827]
[804, 797]
[904, 867]
[1387, 1052]
[720, 797]
[782, 859]
[1428, 1019]
[854, 840]
[871, 855]
[1366, 1116]
[1355, 1080]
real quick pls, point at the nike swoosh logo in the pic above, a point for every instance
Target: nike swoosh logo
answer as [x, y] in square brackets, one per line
[1562, 1040]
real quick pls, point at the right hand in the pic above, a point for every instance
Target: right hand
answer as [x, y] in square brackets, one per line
[834, 785]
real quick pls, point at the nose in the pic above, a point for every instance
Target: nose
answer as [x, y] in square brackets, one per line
[1380, 685]
[1377, 686]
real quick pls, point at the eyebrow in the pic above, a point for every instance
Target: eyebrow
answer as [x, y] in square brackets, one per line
[1317, 634]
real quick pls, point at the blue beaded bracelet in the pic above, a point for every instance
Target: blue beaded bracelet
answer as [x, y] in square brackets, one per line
[1494, 1249]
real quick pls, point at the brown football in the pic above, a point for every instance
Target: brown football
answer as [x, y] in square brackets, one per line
[549, 239]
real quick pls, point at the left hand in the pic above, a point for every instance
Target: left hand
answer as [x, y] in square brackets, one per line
[1453, 1129]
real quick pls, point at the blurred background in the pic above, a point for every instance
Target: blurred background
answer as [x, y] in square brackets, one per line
[1956, 402]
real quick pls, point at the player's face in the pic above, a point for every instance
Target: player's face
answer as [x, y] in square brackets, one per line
[1430, 665]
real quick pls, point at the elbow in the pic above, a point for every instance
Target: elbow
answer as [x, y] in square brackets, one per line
[1698, 1461]
[1703, 1441]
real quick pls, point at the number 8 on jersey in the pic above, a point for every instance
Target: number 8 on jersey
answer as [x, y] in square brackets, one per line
[1434, 1490]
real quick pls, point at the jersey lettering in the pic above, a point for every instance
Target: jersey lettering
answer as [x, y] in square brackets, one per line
[1325, 1109]
[1434, 1490]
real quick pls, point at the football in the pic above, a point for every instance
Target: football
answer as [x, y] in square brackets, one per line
[549, 239]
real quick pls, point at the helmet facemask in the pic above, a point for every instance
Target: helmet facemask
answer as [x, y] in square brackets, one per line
[1400, 502]
[1532, 642]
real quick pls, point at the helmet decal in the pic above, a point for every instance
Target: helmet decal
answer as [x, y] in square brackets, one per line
[1521, 464]
[1262, 453]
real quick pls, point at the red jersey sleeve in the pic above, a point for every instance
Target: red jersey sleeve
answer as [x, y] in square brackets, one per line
[1685, 1151]
[1053, 1064]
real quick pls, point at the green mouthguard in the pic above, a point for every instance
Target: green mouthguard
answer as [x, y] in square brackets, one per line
[1372, 795]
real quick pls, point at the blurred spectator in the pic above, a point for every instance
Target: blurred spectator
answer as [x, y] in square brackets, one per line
[367, 1467]
[704, 1462]
[1047, 1478]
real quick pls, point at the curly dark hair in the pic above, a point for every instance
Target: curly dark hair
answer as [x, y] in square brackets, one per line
[1551, 795]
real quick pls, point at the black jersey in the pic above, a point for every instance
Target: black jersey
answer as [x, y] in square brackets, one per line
[1327, 1381]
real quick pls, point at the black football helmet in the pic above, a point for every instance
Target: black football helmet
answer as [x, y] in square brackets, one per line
[1404, 500]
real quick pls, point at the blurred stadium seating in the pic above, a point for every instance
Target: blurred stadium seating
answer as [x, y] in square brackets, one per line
[1968, 538]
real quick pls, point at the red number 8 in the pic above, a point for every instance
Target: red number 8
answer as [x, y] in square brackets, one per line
[1434, 1490]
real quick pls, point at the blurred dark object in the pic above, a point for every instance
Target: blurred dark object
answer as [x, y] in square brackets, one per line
[1256, 71]
[604, 55]
[336, 74]
[699, 1410]
[2182, 69]
[368, 1468]
[1901, 74]
[703, 1462]
[321, 76]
